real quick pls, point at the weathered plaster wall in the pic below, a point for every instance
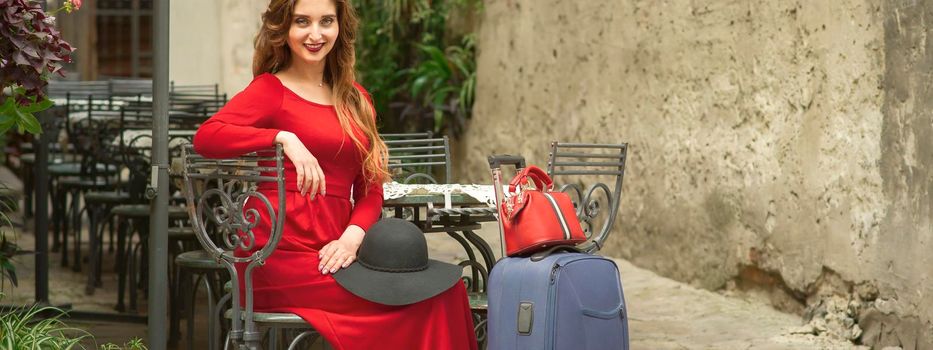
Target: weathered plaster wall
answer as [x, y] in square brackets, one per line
[194, 30]
[212, 42]
[239, 24]
[781, 142]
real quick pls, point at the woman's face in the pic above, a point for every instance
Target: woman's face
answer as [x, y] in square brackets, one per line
[313, 31]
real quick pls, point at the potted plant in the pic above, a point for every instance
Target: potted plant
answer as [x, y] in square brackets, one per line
[31, 50]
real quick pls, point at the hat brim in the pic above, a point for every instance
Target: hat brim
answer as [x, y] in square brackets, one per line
[398, 288]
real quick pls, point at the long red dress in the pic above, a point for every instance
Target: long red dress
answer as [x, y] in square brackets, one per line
[290, 280]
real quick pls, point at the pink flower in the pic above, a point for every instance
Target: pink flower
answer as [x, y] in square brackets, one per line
[76, 4]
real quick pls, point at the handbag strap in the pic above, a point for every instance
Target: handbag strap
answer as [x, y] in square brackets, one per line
[540, 178]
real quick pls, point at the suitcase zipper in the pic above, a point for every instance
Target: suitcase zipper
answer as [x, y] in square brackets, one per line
[551, 316]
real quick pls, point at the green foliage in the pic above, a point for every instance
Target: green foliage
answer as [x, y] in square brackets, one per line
[31, 50]
[28, 329]
[21, 115]
[41, 327]
[133, 344]
[8, 247]
[420, 71]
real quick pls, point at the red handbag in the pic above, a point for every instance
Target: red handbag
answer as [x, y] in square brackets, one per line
[535, 218]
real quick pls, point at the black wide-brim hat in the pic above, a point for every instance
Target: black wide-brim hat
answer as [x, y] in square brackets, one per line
[392, 267]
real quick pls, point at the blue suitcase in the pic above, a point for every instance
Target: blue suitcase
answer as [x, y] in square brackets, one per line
[562, 301]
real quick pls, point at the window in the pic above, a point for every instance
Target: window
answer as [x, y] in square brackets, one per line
[124, 38]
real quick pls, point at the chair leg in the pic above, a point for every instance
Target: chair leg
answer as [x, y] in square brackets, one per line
[28, 193]
[191, 306]
[77, 196]
[134, 276]
[273, 338]
[94, 214]
[176, 304]
[122, 260]
[110, 221]
[112, 232]
[217, 316]
[209, 281]
[66, 223]
[57, 205]
[143, 250]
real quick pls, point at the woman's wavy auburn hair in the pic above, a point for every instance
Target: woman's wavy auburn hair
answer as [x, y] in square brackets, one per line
[353, 109]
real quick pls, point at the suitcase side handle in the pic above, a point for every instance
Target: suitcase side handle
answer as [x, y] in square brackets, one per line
[618, 311]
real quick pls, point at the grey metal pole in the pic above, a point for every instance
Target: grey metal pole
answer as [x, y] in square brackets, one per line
[158, 220]
[41, 199]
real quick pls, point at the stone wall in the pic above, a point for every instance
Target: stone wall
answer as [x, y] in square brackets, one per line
[212, 42]
[240, 21]
[194, 51]
[781, 145]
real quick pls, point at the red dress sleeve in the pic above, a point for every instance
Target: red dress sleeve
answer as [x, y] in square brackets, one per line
[367, 206]
[244, 124]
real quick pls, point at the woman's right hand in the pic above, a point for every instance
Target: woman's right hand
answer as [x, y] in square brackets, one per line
[310, 175]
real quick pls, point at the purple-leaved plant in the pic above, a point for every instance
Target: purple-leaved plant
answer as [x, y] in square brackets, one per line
[31, 50]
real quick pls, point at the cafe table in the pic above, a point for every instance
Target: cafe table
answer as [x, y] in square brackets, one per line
[455, 209]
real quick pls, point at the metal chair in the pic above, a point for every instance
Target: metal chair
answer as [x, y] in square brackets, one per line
[596, 162]
[199, 266]
[216, 191]
[98, 172]
[132, 216]
[418, 160]
[85, 172]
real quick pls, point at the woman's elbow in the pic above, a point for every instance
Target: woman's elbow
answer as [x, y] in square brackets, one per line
[204, 144]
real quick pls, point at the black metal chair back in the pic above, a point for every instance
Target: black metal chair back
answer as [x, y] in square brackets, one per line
[93, 138]
[407, 136]
[131, 87]
[135, 142]
[78, 89]
[194, 108]
[201, 89]
[217, 191]
[605, 161]
[413, 159]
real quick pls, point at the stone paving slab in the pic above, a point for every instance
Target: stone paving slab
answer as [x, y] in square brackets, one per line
[665, 314]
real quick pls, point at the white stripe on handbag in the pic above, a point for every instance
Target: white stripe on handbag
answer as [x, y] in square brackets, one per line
[560, 215]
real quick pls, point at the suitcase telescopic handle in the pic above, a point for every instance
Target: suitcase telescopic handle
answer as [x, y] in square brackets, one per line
[496, 161]
[495, 166]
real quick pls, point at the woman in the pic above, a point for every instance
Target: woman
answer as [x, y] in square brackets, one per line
[304, 96]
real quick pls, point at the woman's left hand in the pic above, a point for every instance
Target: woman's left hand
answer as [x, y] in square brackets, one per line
[340, 253]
